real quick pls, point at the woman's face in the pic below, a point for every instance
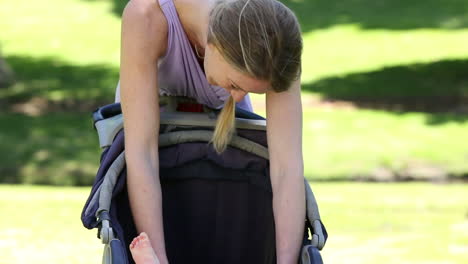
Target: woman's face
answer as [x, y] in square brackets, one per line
[220, 73]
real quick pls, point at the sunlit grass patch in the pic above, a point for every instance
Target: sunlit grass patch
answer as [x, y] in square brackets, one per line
[346, 49]
[357, 143]
[367, 223]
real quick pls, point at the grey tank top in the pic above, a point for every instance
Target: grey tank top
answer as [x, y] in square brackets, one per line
[180, 73]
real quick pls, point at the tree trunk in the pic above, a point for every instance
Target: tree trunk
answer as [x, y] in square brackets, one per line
[6, 74]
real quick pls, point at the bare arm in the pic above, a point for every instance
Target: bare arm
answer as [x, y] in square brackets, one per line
[144, 38]
[284, 123]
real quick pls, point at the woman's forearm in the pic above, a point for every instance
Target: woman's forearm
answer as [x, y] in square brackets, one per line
[144, 191]
[289, 211]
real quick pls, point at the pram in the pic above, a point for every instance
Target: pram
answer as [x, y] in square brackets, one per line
[224, 199]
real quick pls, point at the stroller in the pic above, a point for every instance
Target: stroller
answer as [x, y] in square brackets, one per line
[216, 208]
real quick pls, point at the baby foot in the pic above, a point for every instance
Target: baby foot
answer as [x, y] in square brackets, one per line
[142, 251]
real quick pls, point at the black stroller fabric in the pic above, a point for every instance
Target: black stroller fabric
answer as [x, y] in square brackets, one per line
[216, 208]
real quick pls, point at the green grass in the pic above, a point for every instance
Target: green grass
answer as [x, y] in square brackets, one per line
[74, 31]
[353, 144]
[60, 82]
[394, 223]
[41, 225]
[338, 39]
[62, 148]
[422, 85]
[367, 223]
[384, 14]
[59, 149]
[346, 49]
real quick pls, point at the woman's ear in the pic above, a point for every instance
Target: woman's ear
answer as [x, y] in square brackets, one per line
[207, 47]
[237, 95]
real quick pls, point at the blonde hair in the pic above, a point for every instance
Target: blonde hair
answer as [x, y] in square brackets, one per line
[224, 126]
[261, 38]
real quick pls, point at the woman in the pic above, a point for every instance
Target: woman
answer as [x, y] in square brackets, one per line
[216, 53]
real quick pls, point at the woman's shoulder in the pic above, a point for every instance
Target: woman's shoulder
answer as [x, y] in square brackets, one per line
[143, 8]
[193, 15]
[143, 22]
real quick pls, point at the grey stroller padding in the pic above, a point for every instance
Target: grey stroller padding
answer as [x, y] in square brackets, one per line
[242, 170]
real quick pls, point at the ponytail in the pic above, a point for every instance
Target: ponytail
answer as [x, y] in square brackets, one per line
[224, 126]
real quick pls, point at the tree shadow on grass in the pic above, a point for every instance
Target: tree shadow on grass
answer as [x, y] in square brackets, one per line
[118, 6]
[440, 87]
[58, 84]
[382, 14]
[370, 14]
[54, 149]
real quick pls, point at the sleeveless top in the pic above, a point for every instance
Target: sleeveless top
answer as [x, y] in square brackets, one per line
[180, 73]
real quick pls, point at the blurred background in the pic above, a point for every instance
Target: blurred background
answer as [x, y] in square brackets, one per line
[385, 100]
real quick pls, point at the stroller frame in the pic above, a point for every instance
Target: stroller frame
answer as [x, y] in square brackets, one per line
[108, 121]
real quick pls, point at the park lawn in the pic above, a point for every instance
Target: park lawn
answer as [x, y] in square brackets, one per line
[68, 52]
[62, 148]
[349, 49]
[352, 144]
[342, 143]
[367, 223]
[56, 149]
[77, 34]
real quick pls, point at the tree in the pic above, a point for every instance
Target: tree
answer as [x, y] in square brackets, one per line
[6, 74]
